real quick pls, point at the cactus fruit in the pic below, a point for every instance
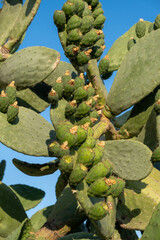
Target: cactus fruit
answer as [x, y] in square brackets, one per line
[4, 102]
[70, 108]
[140, 28]
[53, 96]
[89, 38]
[99, 188]
[83, 57]
[74, 36]
[69, 8]
[73, 22]
[98, 211]
[12, 112]
[103, 66]
[131, 43]
[11, 92]
[100, 170]
[80, 94]
[66, 164]
[59, 19]
[157, 22]
[99, 21]
[78, 174]
[58, 150]
[85, 157]
[71, 51]
[87, 24]
[79, 81]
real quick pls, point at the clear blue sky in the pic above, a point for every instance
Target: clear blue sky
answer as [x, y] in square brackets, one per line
[120, 16]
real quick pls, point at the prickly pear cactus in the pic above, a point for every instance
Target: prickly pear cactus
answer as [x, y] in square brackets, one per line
[108, 184]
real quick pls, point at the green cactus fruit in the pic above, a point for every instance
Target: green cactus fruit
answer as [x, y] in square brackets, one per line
[99, 5]
[74, 36]
[98, 188]
[90, 143]
[87, 24]
[66, 164]
[94, 3]
[87, 11]
[98, 155]
[78, 174]
[94, 114]
[70, 108]
[11, 92]
[73, 22]
[97, 51]
[12, 112]
[69, 8]
[98, 211]
[58, 87]
[82, 110]
[71, 51]
[85, 120]
[88, 1]
[97, 12]
[100, 170]
[151, 27]
[62, 128]
[4, 102]
[119, 189]
[85, 157]
[80, 5]
[68, 88]
[157, 106]
[53, 96]
[79, 81]
[157, 22]
[113, 184]
[80, 94]
[104, 65]
[99, 21]
[90, 89]
[83, 57]
[59, 18]
[81, 134]
[89, 38]
[70, 136]
[131, 43]
[140, 28]
[58, 150]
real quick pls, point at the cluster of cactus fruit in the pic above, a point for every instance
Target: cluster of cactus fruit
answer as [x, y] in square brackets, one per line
[108, 185]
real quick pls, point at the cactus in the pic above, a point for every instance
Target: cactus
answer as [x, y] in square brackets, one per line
[108, 185]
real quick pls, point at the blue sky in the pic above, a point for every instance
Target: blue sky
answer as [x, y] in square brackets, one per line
[120, 16]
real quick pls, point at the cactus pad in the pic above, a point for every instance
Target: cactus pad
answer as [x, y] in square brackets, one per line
[130, 159]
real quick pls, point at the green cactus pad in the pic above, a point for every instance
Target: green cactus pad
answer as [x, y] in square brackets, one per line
[133, 74]
[2, 169]
[28, 135]
[11, 211]
[8, 17]
[33, 169]
[100, 170]
[139, 115]
[29, 72]
[29, 196]
[98, 211]
[78, 174]
[130, 160]
[80, 235]
[138, 202]
[40, 217]
[140, 28]
[152, 231]
[61, 184]
[157, 22]
[119, 49]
